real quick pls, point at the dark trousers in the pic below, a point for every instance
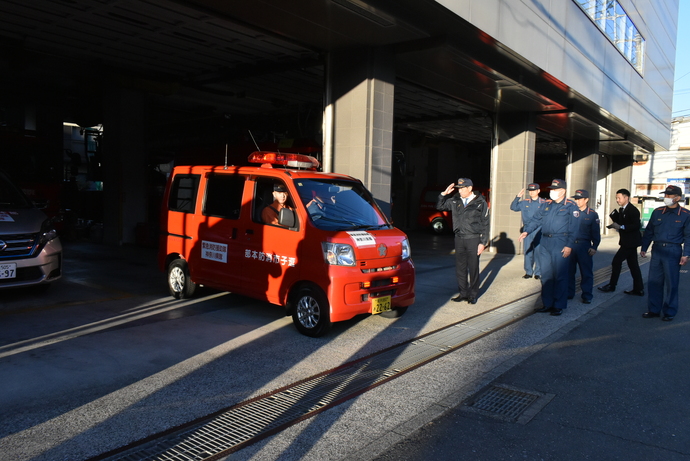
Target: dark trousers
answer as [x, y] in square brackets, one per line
[630, 256]
[664, 278]
[531, 260]
[554, 272]
[467, 264]
[579, 257]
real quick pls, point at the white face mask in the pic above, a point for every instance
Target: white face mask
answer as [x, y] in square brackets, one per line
[668, 201]
[555, 194]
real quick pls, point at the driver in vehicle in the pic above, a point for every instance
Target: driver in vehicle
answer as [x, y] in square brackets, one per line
[270, 213]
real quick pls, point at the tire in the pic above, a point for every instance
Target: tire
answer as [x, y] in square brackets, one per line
[180, 284]
[311, 312]
[395, 313]
[438, 226]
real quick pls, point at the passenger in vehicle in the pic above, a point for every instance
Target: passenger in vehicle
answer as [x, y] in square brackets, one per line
[270, 213]
[318, 206]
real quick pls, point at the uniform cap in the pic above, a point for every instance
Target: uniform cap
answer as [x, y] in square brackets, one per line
[464, 182]
[279, 188]
[673, 190]
[558, 184]
[533, 186]
[581, 193]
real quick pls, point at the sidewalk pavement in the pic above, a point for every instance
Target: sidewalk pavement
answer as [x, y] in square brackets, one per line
[615, 387]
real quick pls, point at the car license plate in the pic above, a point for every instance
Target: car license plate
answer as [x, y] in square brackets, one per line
[381, 304]
[8, 271]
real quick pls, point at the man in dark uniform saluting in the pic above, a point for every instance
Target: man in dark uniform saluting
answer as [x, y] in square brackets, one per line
[529, 208]
[669, 229]
[471, 227]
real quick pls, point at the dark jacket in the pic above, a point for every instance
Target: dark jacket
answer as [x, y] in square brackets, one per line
[470, 221]
[630, 237]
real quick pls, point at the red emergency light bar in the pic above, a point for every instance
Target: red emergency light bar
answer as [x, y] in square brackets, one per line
[289, 160]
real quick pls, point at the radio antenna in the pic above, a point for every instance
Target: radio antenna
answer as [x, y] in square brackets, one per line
[250, 134]
[225, 167]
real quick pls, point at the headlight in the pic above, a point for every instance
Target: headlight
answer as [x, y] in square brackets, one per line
[406, 250]
[338, 254]
[48, 233]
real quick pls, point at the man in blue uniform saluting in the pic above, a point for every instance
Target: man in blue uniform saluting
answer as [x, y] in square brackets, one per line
[528, 208]
[669, 229]
[557, 219]
[587, 241]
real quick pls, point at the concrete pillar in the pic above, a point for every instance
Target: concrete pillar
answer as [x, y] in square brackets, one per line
[582, 171]
[124, 166]
[361, 85]
[512, 168]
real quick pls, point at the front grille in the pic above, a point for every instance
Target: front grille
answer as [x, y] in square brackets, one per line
[18, 246]
[378, 294]
[378, 269]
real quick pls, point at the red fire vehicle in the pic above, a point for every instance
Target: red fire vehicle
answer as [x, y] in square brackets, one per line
[327, 255]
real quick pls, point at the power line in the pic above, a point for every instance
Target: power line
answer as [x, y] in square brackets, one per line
[681, 77]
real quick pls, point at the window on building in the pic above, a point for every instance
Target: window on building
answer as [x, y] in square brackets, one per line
[614, 22]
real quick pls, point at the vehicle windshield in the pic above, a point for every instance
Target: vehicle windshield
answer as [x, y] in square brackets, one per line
[340, 205]
[11, 196]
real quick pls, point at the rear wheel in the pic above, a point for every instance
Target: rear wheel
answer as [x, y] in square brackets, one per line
[179, 282]
[311, 312]
[394, 313]
[438, 225]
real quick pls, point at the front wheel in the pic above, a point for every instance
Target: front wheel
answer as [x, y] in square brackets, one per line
[311, 312]
[394, 313]
[438, 226]
[179, 282]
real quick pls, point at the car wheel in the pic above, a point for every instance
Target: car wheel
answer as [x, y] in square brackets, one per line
[438, 225]
[179, 282]
[394, 313]
[311, 312]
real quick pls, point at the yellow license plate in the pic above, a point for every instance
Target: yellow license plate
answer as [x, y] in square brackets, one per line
[381, 304]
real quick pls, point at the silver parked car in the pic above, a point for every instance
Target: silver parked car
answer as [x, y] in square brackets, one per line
[30, 250]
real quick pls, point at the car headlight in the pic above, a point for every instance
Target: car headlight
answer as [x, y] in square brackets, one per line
[48, 233]
[338, 254]
[406, 253]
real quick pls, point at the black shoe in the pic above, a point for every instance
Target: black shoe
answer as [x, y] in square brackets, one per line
[634, 292]
[649, 315]
[586, 301]
[607, 288]
[545, 309]
[667, 318]
[526, 276]
[472, 300]
[557, 312]
[459, 298]
[537, 277]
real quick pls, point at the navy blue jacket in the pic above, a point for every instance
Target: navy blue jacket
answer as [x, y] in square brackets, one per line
[556, 219]
[589, 229]
[668, 225]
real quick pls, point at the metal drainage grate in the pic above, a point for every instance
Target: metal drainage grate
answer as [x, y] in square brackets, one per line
[508, 403]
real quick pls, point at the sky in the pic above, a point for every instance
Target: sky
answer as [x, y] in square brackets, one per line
[681, 85]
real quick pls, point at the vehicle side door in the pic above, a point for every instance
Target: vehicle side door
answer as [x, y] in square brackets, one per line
[221, 257]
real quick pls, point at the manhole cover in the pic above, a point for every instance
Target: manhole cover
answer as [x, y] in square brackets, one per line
[509, 403]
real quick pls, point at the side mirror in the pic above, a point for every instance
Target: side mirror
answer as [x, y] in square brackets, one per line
[286, 218]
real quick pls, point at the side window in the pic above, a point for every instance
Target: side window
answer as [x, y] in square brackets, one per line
[183, 193]
[264, 198]
[224, 196]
